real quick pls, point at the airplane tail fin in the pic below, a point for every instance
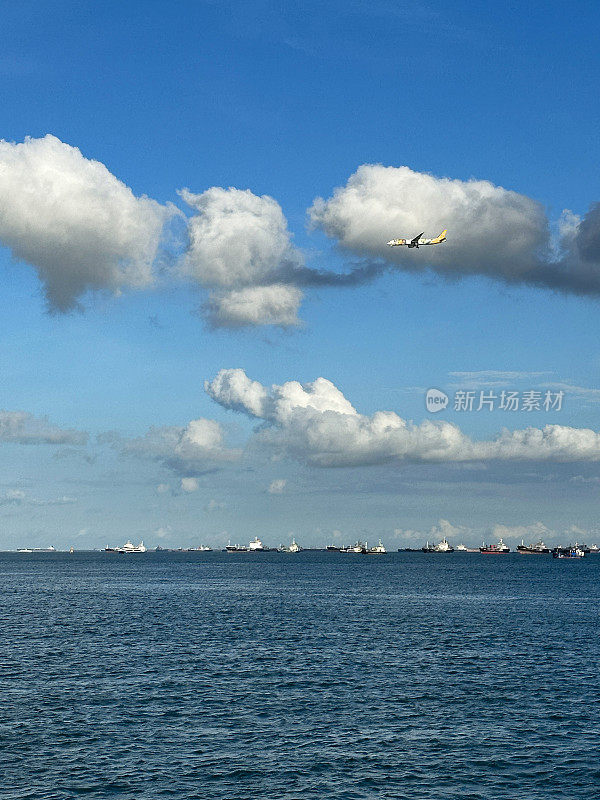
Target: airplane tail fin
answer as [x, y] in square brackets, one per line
[440, 238]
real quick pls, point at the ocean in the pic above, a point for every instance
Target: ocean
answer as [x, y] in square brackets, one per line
[317, 675]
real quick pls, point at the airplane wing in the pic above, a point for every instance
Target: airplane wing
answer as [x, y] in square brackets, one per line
[416, 239]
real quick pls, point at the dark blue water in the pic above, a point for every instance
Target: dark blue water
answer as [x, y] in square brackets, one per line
[299, 676]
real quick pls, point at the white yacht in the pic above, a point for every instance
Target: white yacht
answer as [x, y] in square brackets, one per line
[129, 547]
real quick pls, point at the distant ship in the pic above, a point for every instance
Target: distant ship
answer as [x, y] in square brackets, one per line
[203, 548]
[494, 549]
[256, 545]
[359, 547]
[462, 548]
[36, 550]
[441, 547]
[379, 549]
[333, 548]
[570, 551]
[538, 548]
[235, 548]
[128, 547]
[293, 548]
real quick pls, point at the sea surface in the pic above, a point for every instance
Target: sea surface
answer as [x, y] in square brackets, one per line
[316, 675]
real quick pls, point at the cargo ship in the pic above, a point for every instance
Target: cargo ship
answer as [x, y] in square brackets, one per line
[235, 548]
[534, 549]
[570, 551]
[441, 547]
[494, 549]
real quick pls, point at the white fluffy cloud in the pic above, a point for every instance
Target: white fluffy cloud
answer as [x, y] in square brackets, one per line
[74, 222]
[82, 229]
[443, 530]
[189, 485]
[240, 248]
[491, 231]
[527, 533]
[315, 423]
[23, 428]
[195, 448]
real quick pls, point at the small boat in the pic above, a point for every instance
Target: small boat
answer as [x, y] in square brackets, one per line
[494, 549]
[538, 548]
[570, 551]
[378, 549]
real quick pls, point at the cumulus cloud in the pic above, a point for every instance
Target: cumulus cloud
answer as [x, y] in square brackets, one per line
[254, 305]
[315, 423]
[189, 485]
[491, 231]
[22, 428]
[277, 486]
[196, 448]
[527, 533]
[82, 229]
[443, 530]
[240, 248]
[73, 221]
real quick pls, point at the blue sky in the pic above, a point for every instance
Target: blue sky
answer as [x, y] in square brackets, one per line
[289, 102]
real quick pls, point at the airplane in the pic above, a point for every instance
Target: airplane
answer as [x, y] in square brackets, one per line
[417, 241]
